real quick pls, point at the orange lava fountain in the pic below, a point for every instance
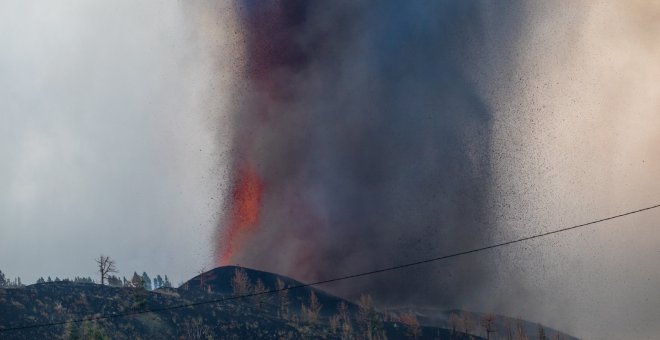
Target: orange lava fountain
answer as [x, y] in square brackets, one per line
[268, 54]
[243, 213]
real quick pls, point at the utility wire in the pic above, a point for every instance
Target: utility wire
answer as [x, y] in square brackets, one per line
[340, 278]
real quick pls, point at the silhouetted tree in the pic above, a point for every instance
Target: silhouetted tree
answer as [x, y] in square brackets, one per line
[202, 276]
[139, 292]
[454, 322]
[283, 299]
[488, 324]
[334, 323]
[114, 281]
[346, 326]
[106, 266]
[158, 282]
[5, 282]
[83, 280]
[312, 311]
[520, 331]
[167, 283]
[41, 280]
[262, 297]
[137, 281]
[147, 281]
[413, 329]
[240, 283]
[467, 321]
[368, 317]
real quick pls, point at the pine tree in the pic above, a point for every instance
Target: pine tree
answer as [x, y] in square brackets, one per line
[368, 316]
[146, 280]
[114, 281]
[3, 279]
[158, 282]
[136, 281]
[240, 283]
[41, 280]
[311, 312]
[413, 329]
[167, 283]
[139, 292]
[84, 279]
[261, 298]
[346, 326]
[283, 297]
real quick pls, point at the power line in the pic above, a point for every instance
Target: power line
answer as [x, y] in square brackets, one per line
[341, 278]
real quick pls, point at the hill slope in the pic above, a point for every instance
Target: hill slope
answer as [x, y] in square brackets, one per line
[183, 313]
[219, 281]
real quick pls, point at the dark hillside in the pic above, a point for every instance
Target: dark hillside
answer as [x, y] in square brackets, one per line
[218, 281]
[249, 318]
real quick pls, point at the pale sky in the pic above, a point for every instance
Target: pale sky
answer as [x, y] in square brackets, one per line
[111, 130]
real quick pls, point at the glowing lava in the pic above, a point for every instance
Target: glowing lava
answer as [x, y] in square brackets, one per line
[243, 213]
[271, 48]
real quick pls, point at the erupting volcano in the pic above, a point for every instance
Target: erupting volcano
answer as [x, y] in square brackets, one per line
[270, 50]
[359, 141]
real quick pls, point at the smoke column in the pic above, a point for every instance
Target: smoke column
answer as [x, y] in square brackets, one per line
[362, 140]
[373, 133]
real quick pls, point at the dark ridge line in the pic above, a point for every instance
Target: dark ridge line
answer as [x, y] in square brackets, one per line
[340, 278]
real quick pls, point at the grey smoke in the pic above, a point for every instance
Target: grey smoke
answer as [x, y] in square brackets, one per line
[405, 130]
[376, 146]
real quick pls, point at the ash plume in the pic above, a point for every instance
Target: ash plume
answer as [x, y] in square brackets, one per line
[362, 135]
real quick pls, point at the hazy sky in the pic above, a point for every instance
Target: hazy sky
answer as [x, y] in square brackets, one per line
[577, 138]
[110, 122]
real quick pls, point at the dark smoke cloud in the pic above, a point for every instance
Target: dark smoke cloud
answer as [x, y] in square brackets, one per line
[368, 124]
